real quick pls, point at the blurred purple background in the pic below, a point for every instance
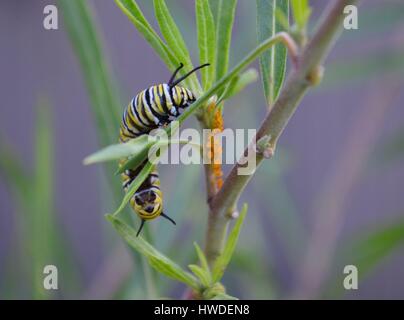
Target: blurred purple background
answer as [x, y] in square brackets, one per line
[35, 62]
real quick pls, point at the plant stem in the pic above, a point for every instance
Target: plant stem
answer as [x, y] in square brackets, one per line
[303, 76]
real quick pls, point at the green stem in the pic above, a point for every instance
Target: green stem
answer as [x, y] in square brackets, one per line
[305, 75]
[267, 44]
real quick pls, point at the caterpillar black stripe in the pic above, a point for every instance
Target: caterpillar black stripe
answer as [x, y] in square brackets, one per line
[153, 107]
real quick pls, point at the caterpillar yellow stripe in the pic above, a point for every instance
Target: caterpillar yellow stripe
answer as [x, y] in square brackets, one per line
[151, 108]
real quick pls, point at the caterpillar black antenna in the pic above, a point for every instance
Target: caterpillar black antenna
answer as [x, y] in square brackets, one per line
[187, 75]
[167, 217]
[140, 228]
[175, 74]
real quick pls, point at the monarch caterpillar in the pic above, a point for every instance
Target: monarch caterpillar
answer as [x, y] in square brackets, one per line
[153, 107]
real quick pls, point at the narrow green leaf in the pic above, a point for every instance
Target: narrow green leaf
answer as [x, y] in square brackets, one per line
[301, 12]
[272, 62]
[224, 259]
[202, 259]
[134, 161]
[86, 42]
[224, 27]
[221, 83]
[135, 15]
[214, 6]
[101, 87]
[206, 41]
[121, 150]
[282, 19]
[371, 249]
[13, 171]
[138, 158]
[148, 167]
[169, 29]
[42, 238]
[368, 251]
[134, 186]
[156, 259]
[42, 215]
[136, 150]
[174, 40]
[202, 275]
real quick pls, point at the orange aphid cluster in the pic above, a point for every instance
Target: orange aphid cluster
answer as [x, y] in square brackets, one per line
[214, 147]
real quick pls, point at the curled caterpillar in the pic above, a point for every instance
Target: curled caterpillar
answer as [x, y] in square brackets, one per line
[153, 107]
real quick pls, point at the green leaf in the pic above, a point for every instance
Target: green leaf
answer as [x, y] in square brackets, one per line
[202, 275]
[36, 223]
[206, 41]
[134, 161]
[282, 19]
[148, 167]
[272, 62]
[136, 150]
[138, 158]
[156, 259]
[44, 233]
[135, 15]
[121, 150]
[221, 83]
[14, 173]
[227, 9]
[104, 98]
[370, 250]
[301, 12]
[134, 186]
[239, 83]
[224, 259]
[174, 40]
[202, 259]
[86, 42]
[214, 6]
[41, 214]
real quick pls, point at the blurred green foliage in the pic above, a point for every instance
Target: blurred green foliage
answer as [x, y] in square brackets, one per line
[41, 240]
[40, 237]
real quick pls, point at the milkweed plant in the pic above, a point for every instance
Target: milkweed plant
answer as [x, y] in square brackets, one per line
[279, 41]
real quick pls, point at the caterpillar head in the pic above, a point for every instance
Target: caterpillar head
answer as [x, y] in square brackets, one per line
[149, 204]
